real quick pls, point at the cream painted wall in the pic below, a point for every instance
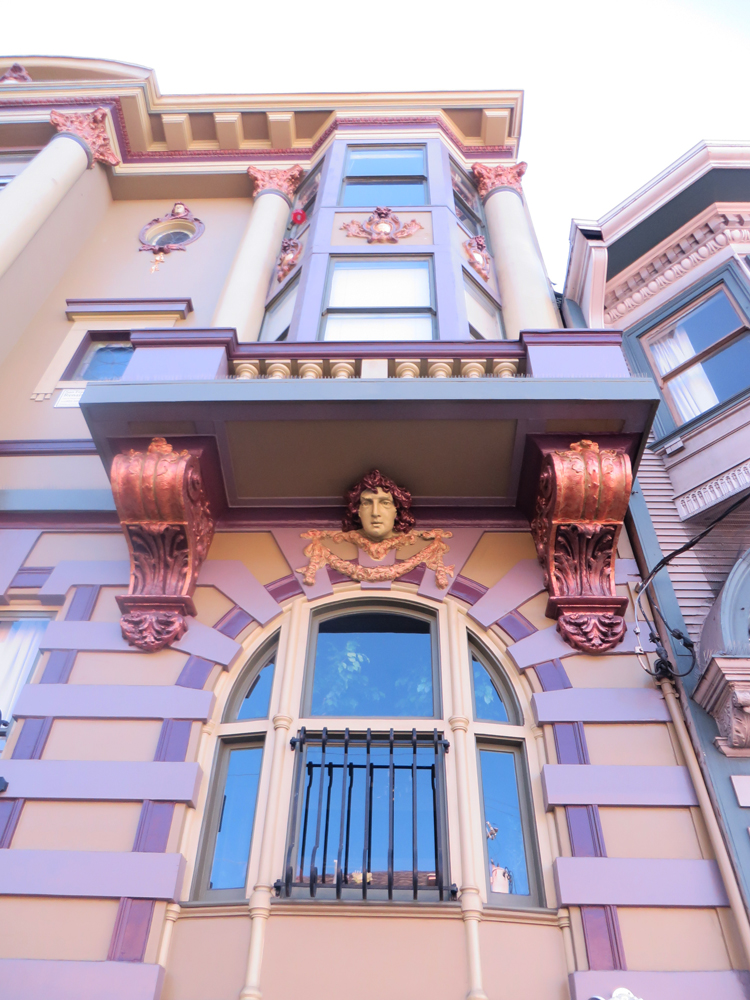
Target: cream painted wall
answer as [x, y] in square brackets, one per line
[103, 262]
[43, 927]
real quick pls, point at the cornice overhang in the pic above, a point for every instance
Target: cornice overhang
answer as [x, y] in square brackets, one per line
[153, 129]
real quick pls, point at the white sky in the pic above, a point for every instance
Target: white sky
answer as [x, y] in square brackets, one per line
[615, 91]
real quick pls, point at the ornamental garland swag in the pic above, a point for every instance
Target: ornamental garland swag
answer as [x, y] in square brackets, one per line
[431, 555]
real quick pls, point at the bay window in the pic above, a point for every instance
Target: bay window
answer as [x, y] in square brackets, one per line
[466, 202]
[389, 298]
[485, 321]
[278, 317]
[392, 176]
[701, 356]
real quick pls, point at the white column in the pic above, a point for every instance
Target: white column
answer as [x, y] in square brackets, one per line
[526, 294]
[243, 300]
[31, 197]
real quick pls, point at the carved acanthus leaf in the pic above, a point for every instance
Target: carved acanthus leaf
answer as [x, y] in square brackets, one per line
[724, 692]
[276, 179]
[498, 175]
[582, 498]
[90, 126]
[168, 526]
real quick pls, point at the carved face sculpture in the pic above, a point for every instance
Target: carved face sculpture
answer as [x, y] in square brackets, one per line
[377, 512]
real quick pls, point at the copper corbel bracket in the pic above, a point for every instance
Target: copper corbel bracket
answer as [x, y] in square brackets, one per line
[166, 520]
[581, 503]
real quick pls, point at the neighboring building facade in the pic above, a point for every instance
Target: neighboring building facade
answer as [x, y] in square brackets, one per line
[670, 268]
[323, 668]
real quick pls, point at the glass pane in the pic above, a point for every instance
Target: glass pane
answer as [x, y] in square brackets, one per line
[488, 705]
[386, 193]
[173, 237]
[503, 829]
[279, 315]
[19, 647]
[106, 362]
[394, 284]
[378, 328]
[696, 331]
[396, 161]
[467, 220]
[255, 703]
[353, 801]
[463, 187]
[373, 663]
[232, 851]
[482, 314]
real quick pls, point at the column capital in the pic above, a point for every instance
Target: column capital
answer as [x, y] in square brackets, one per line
[499, 175]
[90, 128]
[284, 182]
[582, 498]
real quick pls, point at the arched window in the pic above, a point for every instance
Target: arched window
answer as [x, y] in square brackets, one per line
[494, 700]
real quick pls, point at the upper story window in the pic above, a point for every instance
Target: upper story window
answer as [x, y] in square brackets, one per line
[466, 201]
[384, 175]
[373, 663]
[278, 317]
[485, 321]
[391, 298]
[104, 360]
[702, 356]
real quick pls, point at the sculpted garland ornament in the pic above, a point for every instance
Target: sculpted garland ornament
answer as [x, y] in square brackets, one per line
[381, 227]
[377, 521]
[168, 527]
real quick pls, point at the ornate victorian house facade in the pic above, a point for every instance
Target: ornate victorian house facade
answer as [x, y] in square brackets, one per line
[319, 643]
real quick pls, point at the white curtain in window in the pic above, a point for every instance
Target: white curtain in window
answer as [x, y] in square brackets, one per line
[390, 286]
[691, 392]
[18, 653]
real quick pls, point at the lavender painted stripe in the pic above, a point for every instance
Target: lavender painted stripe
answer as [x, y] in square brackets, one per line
[113, 701]
[661, 985]
[547, 644]
[461, 545]
[15, 545]
[600, 705]
[293, 548]
[200, 640]
[616, 785]
[638, 882]
[114, 780]
[235, 580]
[36, 979]
[524, 581]
[741, 784]
[626, 571]
[102, 874]
[70, 573]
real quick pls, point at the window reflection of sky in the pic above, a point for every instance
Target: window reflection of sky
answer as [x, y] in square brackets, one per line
[502, 812]
[375, 665]
[255, 703]
[488, 705]
[229, 869]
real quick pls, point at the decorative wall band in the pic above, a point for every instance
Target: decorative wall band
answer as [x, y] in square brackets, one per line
[73, 573]
[741, 784]
[35, 979]
[101, 874]
[662, 985]
[638, 882]
[113, 780]
[600, 705]
[548, 644]
[519, 585]
[616, 785]
[236, 582]
[15, 545]
[113, 701]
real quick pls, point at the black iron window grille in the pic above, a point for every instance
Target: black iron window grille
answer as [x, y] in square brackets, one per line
[368, 817]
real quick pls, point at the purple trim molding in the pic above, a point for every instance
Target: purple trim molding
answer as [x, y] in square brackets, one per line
[616, 785]
[10, 813]
[31, 576]
[113, 701]
[127, 307]
[105, 780]
[524, 581]
[154, 826]
[173, 739]
[585, 831]
[195, 673]
[37, 979]
[626, 571]
[59, 666]
[600, 705]
[284, 588]
[552, 676]
[200, 640]
[568, 338]
[638, 882]
[234, 622]
[15, 545]
[32, 739]
[601, 930]
[71, 573]
[548, 644]
[661, 985]
[102, 874]
[236, 582]
[570, 743]
[130, 934]
[465, 589]
[83, 603]
[516, 625]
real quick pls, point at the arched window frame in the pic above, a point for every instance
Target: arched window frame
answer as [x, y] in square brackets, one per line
[500, 682]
